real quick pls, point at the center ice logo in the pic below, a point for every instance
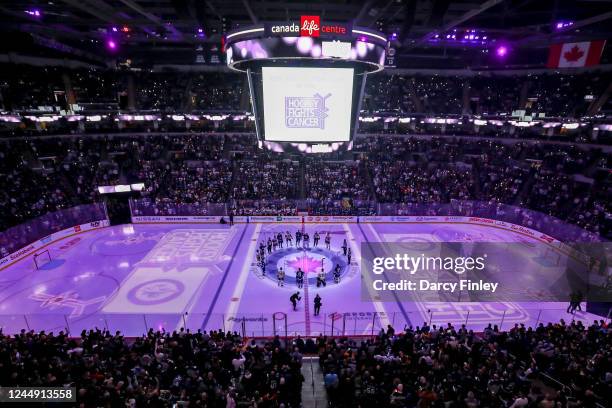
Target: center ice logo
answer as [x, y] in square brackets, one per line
[306, 112]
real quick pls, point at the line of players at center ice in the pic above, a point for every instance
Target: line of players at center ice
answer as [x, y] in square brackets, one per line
[302, 240]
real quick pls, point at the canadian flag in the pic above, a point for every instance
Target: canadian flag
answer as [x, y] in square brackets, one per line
[573, 55]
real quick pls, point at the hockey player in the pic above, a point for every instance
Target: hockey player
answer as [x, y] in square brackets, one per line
[299, 278]
[344, 246]
[279, 238]
[328, 242]
[337, 273]
[294, 299]
[289, 239]
[280, 277]
[298, 238]
[321, 278]
[317, 305]
[317, 237]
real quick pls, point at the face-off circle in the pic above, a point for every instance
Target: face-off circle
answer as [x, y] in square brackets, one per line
[415, 244]
[309, 260]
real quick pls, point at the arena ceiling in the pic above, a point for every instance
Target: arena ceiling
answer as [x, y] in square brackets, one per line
[168, 31]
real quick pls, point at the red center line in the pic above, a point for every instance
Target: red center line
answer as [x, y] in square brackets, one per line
[306, 299]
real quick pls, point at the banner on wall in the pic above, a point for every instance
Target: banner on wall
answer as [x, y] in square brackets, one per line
[204, 219]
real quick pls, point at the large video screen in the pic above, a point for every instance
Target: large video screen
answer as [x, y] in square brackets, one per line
[307, 104]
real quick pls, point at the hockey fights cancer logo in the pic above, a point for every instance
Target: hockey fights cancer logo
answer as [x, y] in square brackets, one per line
[306, 112]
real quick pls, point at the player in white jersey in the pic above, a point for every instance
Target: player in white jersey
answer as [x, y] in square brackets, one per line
[280, 277]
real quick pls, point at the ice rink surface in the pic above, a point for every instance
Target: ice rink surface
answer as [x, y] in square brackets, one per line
[133, 278]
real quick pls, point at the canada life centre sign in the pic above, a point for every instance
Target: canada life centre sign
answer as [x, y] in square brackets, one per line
[309, 26]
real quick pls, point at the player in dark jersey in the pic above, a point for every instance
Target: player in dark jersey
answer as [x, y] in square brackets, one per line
[298, 238]
[317, 305]
[294, 299]
[299, 278]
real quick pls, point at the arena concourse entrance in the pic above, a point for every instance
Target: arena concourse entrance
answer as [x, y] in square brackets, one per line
[118, 208]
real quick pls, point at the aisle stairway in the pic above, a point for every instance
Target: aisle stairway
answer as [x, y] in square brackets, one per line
[313, 389]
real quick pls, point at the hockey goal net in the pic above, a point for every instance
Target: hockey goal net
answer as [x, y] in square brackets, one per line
[42, 258]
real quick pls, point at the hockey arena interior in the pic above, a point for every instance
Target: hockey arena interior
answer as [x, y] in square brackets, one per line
[284, 204]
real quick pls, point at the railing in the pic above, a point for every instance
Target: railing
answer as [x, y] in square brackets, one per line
[354, 323]
[264, 207]
[165, 207]
[535, 220]
[339, 207]
[33, 230]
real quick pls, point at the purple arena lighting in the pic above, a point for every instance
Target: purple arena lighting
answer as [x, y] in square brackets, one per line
[502, 51]
[111, 44]
[564, 24]
[34, 12]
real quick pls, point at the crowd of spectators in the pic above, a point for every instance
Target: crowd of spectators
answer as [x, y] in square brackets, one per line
[558, 180]
[182, 368]
[203, 164]
[193, 171]
[333, 181]
[266, 179]
[25, 87]
[447, 366]
[553, 94]
[553, 365]
[402, 182]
